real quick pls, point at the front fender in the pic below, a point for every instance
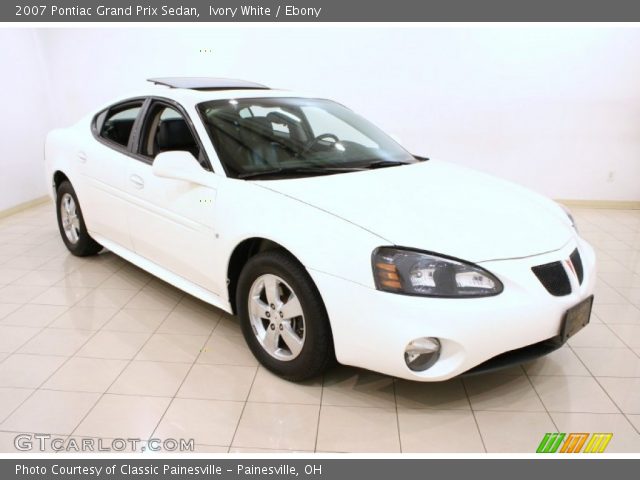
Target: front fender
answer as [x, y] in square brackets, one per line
[319, 240]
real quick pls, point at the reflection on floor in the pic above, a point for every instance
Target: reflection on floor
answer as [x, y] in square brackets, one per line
[96, 348]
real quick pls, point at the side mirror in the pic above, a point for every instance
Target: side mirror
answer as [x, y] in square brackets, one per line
[180, 165]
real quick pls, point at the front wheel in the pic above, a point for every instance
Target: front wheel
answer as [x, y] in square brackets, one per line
[71, 223]
[283, 318]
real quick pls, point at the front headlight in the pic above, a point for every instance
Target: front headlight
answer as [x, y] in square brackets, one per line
[412, 272]
[570, 215]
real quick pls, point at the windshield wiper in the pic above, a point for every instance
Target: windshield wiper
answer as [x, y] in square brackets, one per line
[284, 171]
[384, 163]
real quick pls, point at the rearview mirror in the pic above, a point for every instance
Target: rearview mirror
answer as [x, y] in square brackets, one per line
[180, 165]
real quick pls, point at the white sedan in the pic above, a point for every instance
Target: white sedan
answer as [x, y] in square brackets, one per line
[320, 232]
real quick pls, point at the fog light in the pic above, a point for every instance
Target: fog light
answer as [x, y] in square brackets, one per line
[422, 353]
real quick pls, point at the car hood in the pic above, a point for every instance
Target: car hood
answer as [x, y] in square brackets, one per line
[438, 207]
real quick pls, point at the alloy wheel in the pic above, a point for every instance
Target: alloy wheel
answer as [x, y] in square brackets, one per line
[276, 317]
[69, 218]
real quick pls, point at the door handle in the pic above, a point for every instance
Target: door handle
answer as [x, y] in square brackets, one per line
[137, 181]
[82, 157]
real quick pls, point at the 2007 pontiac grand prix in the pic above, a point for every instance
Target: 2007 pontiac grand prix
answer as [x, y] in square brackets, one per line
[320, 232]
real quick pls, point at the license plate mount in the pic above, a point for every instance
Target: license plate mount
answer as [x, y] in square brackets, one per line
[576, 318]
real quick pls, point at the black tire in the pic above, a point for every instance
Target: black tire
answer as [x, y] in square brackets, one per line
[317, 353]
[85, 245]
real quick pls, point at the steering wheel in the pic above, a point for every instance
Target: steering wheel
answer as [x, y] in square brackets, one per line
[312, 143]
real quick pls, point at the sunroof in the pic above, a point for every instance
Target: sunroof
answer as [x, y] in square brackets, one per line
[207, 83]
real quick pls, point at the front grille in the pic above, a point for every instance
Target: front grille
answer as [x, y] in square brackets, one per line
[577, 265]
[554, 278]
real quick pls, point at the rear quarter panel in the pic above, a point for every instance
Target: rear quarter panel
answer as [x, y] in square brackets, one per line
[61, 148]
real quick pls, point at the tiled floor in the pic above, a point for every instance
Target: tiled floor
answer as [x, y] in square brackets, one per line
[97, 348]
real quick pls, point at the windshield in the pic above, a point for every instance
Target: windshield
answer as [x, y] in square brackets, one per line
[295, 137]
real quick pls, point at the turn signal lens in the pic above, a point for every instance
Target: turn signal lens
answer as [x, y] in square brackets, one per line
[387, 275]
[386, 266]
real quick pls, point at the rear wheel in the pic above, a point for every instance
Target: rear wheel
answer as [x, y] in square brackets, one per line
[71, 223]
[283, 318]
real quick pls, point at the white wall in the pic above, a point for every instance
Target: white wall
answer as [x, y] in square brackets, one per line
[555, 109]
[24, 117]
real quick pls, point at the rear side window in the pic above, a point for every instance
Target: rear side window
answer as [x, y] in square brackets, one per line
[118, 123]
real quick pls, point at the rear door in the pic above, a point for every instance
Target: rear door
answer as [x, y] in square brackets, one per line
[172, 222]
[103, 164]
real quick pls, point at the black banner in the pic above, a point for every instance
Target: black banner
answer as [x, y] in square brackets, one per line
[319, 11]
[316, 469]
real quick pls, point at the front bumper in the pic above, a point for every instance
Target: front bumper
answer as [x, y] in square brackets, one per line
[372, 328]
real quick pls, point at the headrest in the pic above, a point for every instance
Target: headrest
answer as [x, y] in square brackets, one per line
[174, 134]
[258, 125]
[282, 118]
[226, 117]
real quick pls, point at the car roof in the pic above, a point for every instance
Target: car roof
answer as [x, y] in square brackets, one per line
[189, 97]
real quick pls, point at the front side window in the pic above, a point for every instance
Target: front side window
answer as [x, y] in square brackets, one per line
[118, 123]
[166, 130]
[295, 137]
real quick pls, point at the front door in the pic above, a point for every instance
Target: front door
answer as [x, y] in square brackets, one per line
[172, 222]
